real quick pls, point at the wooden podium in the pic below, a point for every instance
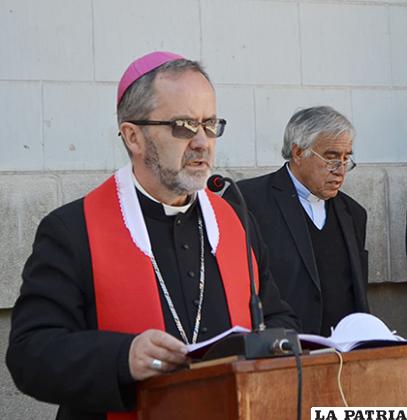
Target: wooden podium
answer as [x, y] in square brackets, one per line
[267, 388]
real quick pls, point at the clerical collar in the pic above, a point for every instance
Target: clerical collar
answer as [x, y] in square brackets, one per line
[168, 210]
[302, 191]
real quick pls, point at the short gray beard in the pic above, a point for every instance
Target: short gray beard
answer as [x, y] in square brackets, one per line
[179, 182]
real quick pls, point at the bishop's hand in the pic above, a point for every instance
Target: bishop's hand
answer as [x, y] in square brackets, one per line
[154, 352]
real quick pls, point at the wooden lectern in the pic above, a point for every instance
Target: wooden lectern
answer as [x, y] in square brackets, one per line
[267, 388]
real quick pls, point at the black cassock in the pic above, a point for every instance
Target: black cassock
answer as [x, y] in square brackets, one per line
[56, 354]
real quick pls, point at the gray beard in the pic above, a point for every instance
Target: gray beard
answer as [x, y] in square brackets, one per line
[180, 182]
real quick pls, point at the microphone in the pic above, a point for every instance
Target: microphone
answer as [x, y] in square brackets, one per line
[261, 342]
[215, 184]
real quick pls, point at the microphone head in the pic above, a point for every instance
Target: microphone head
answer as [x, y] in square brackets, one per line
[215, 183]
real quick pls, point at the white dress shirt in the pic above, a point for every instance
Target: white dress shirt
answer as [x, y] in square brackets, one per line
[314, 206]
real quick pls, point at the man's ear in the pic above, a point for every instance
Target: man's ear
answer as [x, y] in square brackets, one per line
[132, 136]
[297, 154]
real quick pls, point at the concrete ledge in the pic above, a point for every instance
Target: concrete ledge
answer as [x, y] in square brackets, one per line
[388, 302]
[369, 186]
[27, 197]
[24, 200]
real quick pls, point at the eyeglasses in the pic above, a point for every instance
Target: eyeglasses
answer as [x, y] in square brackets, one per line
[334, 164]
[186, 129]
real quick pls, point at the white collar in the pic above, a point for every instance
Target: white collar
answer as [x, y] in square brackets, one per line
[168, 210]
[133, 215]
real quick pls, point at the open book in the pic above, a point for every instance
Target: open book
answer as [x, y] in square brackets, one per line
[354, 331]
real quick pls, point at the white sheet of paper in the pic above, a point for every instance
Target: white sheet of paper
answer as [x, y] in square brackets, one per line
[235, 329]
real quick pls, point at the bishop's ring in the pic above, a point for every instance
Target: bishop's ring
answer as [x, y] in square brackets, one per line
[156, 364]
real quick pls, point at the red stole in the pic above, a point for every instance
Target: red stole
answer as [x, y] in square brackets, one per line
[125, 304]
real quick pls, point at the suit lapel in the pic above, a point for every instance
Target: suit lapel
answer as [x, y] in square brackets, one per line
[346, 223]
[293, 214]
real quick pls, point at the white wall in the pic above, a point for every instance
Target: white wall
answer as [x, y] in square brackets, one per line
[60, 62]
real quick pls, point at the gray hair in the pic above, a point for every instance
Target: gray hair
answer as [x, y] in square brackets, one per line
[306, 125]
[139, 100]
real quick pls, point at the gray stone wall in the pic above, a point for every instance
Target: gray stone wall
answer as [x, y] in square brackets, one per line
[27, 197]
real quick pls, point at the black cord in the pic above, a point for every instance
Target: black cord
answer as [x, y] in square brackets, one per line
[299, 382]
[286, 346]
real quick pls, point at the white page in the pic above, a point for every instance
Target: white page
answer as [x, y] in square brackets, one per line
[318, 339]
[235, 329]
[361, 327]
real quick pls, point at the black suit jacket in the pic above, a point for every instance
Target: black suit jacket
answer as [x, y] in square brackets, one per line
[273, 200]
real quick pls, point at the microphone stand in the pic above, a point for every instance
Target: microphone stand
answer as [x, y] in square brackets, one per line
[256, 308]
[260, 342]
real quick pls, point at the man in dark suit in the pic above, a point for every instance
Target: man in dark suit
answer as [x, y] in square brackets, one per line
[314, 232]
